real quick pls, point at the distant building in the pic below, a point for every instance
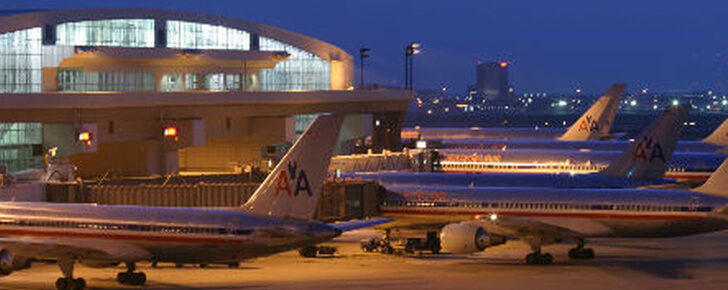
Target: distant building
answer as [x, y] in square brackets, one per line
[492, 82]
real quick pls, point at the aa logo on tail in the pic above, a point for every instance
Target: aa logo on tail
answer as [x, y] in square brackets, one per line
[647, 150]
[289, 175]
[589, 124]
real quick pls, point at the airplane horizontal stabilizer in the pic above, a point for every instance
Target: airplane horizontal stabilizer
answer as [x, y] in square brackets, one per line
[358, 224]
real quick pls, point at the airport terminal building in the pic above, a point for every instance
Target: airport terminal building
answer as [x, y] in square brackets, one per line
[139, 92]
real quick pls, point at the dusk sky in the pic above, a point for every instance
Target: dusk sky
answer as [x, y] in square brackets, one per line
[554, 46]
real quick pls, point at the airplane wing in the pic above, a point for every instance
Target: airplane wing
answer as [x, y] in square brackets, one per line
[358, 224]
[544, 230]
[52, 248]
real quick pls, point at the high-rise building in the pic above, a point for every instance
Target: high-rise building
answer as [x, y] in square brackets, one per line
[492, 81]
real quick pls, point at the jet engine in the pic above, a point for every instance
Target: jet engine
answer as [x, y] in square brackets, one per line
[10, 263]
[465, 238]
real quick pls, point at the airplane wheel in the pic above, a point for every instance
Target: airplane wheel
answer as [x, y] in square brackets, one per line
[61, 283]
[70, 284]
[584, 254]
[539, 259]
[547, 259]
[308, 252]
[134, 279]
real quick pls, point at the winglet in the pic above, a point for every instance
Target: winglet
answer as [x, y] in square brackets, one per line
[596, 123]
[293, 188]
[717, 184]
[648, 156]
[719, 137]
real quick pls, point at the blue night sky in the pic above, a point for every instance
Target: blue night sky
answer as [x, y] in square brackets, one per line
[554, 46]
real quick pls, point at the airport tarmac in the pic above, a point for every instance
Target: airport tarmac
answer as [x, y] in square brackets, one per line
[697, 262]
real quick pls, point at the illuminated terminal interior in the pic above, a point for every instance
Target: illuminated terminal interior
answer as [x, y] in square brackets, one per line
[139, 51]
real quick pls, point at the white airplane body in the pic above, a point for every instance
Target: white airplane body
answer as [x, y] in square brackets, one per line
[481, 217]
[278, 217]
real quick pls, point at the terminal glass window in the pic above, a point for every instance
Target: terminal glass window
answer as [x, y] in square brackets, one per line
[20, 61]
[18, 146]
[301, 71]
[190, 35]
[76, 80]
[111, 32]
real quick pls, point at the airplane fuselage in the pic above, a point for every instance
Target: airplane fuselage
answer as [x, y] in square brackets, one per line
[552, 144]
[558, 180]
[624, 213]
[180, 235]
[683, 165]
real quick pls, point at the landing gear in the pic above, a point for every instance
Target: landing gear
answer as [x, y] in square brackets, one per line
[580, 252]
[537, 258]
[67, 282]
[308, 252]
[130, 277]
[70, 284]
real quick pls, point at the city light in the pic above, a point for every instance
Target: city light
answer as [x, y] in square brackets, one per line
[503, 64]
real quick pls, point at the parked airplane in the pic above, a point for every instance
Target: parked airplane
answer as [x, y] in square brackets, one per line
[277, 218]
[477, 218]
[716, 142]
[683, 166]
[643, 163]
[595, 124]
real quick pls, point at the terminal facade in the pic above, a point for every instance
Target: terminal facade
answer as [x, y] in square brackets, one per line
[140, 92]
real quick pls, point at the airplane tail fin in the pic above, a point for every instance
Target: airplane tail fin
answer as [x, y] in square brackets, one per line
[596, 123]
[719, 137]
[648, 156]
[293, 188]
[717, 184]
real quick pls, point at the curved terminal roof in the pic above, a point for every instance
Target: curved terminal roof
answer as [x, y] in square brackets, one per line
[317, 47]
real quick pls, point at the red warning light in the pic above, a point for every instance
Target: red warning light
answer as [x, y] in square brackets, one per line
[85, 137]
[170, 132]
[503, 64]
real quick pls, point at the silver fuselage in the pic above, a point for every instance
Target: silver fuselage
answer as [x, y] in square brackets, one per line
[628, 213]
[180, 235]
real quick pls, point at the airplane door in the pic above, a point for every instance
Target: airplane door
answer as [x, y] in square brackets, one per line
[230, 228]
[694, 203]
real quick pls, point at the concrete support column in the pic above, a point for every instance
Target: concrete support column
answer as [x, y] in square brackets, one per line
[171, 162]
[387, 128]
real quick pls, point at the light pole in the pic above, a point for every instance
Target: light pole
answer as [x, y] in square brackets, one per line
[363, 53]
[409, 51]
